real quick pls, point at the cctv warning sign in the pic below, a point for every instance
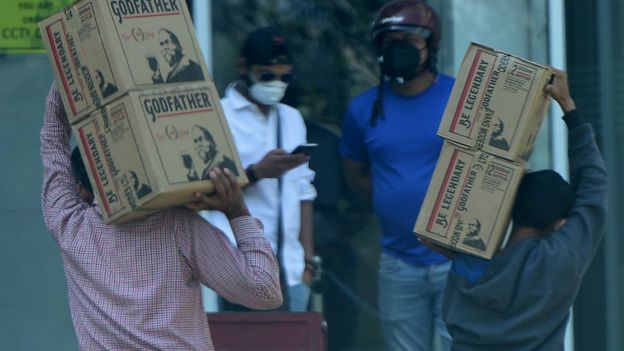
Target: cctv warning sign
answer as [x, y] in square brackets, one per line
[19, 31]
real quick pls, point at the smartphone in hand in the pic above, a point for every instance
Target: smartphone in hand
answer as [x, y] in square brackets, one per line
[304, 148]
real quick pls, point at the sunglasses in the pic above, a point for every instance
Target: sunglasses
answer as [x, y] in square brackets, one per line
[269, 76]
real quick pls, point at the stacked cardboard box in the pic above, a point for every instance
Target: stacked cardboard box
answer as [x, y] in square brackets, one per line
[141, 102]
[490, 124]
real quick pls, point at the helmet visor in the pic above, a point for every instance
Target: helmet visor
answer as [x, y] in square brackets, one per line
[422, 31]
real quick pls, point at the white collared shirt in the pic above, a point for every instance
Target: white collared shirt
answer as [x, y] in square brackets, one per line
[255, 134]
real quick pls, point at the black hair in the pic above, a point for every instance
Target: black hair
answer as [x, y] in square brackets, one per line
[174, 38]
[135, 179]
[500, 129]
[543, 198]
[378, 110]
[477, 224]
[206, 132]
[80, 172]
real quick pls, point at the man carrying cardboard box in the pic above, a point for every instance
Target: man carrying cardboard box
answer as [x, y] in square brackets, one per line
[136, 286]
[521, 299]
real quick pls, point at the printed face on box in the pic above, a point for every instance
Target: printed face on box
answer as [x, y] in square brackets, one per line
[179, 67]
[204, 143]
[187, 132]
[497, 139]
[474, 227]
[104, 85]
[169, 46]
[157, 41]
[207, 150]
[118, 171]
[140, 188]
[473, 239]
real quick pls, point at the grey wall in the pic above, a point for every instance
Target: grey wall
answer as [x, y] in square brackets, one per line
[34, 313]
[596, 60]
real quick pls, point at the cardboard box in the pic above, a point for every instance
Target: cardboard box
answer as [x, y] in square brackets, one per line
[100, 49]
[469, 200]
[497, 103]
[152, 149]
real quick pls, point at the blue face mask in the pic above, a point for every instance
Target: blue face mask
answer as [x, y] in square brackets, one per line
[401, 59]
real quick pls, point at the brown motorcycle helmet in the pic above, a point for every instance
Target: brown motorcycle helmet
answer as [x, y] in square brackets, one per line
[408, 16]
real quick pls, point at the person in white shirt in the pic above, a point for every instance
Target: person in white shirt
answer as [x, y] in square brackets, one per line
[265, 132]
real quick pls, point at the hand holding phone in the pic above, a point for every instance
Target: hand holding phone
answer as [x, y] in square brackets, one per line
[277, 162]
[304, 148]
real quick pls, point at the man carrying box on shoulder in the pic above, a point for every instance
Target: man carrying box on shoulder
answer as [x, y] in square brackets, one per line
[136, 285]
[521, 299]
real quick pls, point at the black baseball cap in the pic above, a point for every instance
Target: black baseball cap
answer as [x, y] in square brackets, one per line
[266, 46]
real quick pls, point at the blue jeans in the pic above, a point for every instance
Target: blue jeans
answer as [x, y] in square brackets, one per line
[410, 299]
[299, 295]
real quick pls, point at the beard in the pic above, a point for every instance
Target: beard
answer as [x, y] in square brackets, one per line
[207, 153]
[172, 57]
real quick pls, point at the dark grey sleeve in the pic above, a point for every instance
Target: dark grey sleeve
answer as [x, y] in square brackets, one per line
[585, 226]
[573, 119]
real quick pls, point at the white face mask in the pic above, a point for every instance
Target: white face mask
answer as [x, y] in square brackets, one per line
[267, 93]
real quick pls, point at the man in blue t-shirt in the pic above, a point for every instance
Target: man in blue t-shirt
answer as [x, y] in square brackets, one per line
[390, 149]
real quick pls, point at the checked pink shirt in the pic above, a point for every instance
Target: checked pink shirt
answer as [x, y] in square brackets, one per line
[136, 285]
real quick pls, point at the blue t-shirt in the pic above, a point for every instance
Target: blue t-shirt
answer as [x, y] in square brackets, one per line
[470, 267]
[401, 151]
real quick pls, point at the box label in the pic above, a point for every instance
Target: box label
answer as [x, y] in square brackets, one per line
[129, 9]
[452, 195]
[477, 93]
[99, 70]
[157, 41]
[470, 201]
[65, 56]
[113, 157]
[102, 167]
[493, 103]
[133, 177]
[187, 131]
